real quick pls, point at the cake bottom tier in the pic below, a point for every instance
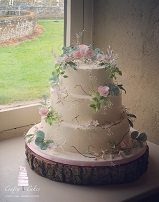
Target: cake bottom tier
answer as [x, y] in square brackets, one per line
[94, 173]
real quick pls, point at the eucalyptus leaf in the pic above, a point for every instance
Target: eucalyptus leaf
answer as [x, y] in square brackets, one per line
[38, 140]
[142, 137]
[42, 103]
[113, 89]
[45, 97]
[98, 51]
[43, 146]
[67, 49]
[140, 144]
[90, 46]
[134, 135]
[54, 75]
[40, 134]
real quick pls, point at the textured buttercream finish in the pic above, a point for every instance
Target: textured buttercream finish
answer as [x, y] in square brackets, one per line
[71, 99]
[83, 137]
[72, 158]
[86, 76]
[75, 108]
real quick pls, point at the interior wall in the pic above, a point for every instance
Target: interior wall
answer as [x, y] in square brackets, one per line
[131, 28]
[79, 19]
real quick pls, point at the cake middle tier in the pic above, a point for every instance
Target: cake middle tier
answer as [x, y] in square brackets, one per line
[73, 108]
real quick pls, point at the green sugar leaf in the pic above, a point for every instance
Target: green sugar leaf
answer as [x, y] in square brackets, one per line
[95, 99]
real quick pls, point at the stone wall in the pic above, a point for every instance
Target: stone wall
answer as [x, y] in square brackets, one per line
[16, 25]
[41, 11]
[131, 28]
[48, 12]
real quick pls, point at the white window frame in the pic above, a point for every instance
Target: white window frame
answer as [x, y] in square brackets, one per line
[79, 17]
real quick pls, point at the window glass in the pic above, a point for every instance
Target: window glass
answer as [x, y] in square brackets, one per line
[26, 56]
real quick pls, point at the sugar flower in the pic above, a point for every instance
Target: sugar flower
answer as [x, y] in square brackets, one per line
[76, 54]
[94, 123]
[103, 91]
[43, 111]
[83, 49]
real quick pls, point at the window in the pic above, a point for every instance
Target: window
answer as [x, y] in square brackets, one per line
[78, 17]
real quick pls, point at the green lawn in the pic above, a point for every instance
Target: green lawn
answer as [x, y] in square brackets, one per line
[25, 68]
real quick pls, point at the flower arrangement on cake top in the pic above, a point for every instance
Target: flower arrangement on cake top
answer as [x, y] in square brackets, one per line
[74, 55]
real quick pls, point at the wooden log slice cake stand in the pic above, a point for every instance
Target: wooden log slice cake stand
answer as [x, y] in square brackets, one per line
[86, 172]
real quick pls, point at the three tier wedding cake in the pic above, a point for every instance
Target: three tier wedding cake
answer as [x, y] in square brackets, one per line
[86, 135]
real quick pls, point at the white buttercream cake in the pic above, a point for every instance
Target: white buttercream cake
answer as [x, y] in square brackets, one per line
[85, 119]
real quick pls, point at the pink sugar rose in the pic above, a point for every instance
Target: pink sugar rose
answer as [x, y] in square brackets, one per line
[43, 111]
[83, 49]
[103, 91]
[89, 53]
[76, 54]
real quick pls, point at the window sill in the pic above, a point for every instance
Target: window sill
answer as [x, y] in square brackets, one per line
[16, 121]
